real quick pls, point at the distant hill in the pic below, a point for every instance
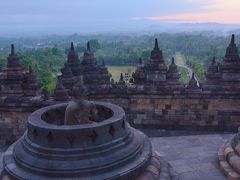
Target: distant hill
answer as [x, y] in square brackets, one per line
[223, 29]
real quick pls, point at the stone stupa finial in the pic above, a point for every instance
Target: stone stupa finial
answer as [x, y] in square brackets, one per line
[233, 39]
[173, 60]
[30, 69]
[88, 46]
[214, 60]
[156, 53]
[121, 77]
[193, 83]
[173, 70]
[156, 44]
[232, 51]
[60, 93]
[12, 49]
[121, 82]
[13, 60]
[193, 75]
[72, 47]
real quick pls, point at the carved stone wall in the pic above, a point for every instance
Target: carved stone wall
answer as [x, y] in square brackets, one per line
[12, 126]
[179, 112]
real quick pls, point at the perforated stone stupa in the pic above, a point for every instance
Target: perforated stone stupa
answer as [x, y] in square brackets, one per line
[229, 158]
[155, 76]
[107, 149]
[155, 67]
[95, 77]
[20, 95]
[73, 61]
[18, 85]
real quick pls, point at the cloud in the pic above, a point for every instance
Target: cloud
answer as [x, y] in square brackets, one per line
[220, 11]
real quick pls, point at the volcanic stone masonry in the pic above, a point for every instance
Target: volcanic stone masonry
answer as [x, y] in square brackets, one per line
[229, 159]
[156, 98]
[153, 98]
[95, 77]
[19, 96]
[106, 149]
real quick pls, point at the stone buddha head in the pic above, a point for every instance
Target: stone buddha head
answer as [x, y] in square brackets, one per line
[80, 91]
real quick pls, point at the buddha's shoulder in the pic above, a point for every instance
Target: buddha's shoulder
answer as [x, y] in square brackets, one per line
[72, 106]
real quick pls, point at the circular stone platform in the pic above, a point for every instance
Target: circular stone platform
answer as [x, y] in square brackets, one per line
[229, 157]
[109, 149]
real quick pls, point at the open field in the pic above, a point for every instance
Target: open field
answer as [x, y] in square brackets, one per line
[184, 75]
[185, 71]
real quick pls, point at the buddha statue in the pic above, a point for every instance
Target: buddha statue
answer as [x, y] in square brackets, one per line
[79, 110]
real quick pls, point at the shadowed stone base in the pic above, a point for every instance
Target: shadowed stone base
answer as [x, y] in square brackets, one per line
[229, 159]
[4, 176]
[109, 149]
[188, 164]
[158, 169]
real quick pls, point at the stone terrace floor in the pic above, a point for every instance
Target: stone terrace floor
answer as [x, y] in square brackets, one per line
[193, 157]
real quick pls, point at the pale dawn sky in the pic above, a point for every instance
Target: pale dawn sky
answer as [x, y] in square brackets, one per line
[219, 11]
[94, 15]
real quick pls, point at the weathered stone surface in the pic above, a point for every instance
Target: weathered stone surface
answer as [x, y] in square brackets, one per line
[196, 154]
[213, 104]
[95, 77]
[173, 76]
[179, 111]
[12, 126]
[19, 95]
[17, 81]
[229, 159]
[61, 93]
[154, 70]
[73, 62]
[68, 79]
[213, 74]
[79, 109]
[192, 156]
[109, 149]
